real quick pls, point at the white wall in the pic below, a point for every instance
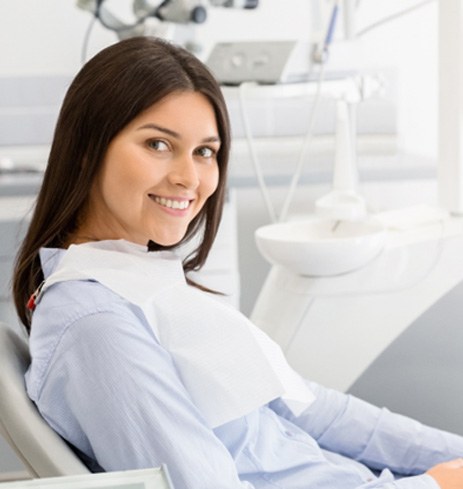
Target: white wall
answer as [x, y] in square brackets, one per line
[410, 45]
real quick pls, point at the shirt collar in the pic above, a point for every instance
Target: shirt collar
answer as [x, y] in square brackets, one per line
[49, 259]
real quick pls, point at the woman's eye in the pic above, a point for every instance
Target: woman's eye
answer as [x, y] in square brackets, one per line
[206, 152]
[158, 145]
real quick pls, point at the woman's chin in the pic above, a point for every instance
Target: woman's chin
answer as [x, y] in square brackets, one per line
[158, 244]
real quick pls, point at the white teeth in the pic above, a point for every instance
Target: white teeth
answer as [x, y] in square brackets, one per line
[172, 204]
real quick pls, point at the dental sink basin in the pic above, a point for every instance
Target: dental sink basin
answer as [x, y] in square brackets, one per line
[321, 247]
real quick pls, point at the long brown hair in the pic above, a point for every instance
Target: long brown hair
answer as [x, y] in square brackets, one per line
[109, 91]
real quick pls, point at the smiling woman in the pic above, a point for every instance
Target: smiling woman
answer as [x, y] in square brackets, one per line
[157, 174]
[114, 94]
[131, 364]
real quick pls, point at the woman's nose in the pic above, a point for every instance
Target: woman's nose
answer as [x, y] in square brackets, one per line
[184, 172]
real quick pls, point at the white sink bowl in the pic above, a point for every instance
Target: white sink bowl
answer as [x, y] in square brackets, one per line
[321, 247]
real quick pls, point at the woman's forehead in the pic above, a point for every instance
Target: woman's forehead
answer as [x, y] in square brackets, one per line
[180, 111]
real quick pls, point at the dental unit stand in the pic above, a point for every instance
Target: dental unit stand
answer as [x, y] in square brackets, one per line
[335, 329]
[344, 202]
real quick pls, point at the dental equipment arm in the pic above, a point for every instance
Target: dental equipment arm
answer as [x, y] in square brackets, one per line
[235, 3]
[174, 11]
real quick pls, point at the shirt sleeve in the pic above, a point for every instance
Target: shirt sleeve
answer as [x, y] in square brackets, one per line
[112, 381]
[374, 436]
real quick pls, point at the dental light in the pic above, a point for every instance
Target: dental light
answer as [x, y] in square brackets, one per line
[173, 11]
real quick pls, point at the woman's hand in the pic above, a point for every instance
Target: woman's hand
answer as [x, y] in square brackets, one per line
[449, 475]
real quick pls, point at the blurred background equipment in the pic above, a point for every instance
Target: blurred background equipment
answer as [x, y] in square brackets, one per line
[148, 16]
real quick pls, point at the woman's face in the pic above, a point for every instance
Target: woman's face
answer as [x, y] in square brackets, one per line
[157, 173]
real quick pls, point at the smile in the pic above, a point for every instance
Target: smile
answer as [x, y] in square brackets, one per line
[172, 204]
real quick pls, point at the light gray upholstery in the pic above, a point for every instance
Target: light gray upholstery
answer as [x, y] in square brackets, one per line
[43, 452]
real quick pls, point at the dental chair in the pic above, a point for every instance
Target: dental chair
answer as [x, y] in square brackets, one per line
[41, 450]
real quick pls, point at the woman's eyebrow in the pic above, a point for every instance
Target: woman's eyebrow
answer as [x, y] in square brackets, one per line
[160, 128]
[210, 139]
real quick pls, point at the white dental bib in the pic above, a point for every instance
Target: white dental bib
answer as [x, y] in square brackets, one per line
[228, 366]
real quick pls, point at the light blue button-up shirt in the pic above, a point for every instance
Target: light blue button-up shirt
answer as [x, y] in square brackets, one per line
[105, 384]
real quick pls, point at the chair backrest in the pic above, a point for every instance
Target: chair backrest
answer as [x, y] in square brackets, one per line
[42, 451]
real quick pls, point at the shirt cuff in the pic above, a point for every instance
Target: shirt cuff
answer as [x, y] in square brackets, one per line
[423, 481]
